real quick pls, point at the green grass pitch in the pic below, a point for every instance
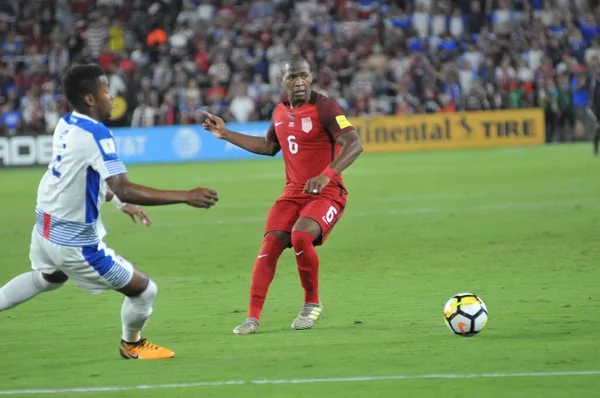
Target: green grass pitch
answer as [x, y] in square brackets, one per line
[518, 227]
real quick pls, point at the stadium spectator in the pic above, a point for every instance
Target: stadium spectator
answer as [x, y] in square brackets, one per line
[579, 88]
[374, 57]
[12, 120]
[144, 114]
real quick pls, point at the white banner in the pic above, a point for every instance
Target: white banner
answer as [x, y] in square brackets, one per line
[25, 150]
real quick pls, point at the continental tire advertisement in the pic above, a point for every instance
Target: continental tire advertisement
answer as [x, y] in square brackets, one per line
[451, 130]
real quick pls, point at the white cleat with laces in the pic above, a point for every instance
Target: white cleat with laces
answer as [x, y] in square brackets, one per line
[307, 317]
[249, 326]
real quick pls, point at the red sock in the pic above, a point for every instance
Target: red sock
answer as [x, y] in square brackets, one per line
[308, 265]
[263, 274]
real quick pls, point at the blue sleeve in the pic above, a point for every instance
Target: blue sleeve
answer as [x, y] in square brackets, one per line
[105, 141]
[104, 156]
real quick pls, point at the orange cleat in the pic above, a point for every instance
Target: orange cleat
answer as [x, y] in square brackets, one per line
[144, 349]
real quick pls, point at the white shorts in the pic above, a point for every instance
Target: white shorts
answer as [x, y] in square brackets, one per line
[94, 268]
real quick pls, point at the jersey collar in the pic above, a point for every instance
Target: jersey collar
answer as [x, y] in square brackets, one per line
[82, 116]
[312, 99]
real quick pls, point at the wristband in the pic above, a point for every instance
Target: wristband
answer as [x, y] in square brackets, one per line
[118, 204]
[329, 172]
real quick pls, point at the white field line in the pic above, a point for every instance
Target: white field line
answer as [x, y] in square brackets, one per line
[299, 381]
[491, 208]
[401, 198]
[419, 197]
[281, 175]
[529, 206]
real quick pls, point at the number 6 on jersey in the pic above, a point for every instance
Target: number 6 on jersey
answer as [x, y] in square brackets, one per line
[293, 144]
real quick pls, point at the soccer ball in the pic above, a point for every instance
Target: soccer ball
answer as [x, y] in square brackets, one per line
[465, 314]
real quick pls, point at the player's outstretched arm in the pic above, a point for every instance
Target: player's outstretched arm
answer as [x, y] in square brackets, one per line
[130, 192]
[258, 145]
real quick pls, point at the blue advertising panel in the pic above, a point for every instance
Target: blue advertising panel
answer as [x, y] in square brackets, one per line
[186, 143]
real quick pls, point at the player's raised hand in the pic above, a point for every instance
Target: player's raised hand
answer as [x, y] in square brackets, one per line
[202, 197]
[316, 184]
[134, 211]
[215, 125]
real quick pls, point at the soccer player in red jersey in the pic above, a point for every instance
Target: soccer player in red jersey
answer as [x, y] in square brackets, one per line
[318, 143]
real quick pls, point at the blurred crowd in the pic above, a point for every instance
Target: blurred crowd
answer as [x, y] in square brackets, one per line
[168, 60]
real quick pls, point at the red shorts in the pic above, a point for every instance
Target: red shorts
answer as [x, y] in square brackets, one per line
[326, 209]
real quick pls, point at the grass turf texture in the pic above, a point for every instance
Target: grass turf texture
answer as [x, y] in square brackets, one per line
[518, 227]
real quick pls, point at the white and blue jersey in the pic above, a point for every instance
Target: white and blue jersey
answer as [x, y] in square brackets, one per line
[73, 188]
[68, 232]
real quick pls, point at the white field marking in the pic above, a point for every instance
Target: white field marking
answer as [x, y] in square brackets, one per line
[240, 178]
[299, 381]
[409, 198]
[281, 175]
[401, 198]
[496, 207]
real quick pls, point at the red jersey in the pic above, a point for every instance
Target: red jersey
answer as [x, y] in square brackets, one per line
[307, 137]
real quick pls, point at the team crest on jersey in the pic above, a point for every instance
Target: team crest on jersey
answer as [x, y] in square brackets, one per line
[306, 124]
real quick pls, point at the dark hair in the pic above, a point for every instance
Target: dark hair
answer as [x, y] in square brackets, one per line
[79, 81]
[294, 60]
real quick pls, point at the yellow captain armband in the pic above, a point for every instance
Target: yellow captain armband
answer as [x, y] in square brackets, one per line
[342, 121]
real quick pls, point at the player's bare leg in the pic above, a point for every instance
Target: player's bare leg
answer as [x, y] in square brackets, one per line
[28, 285]
[304, 233]
[135, 312]
[262, 276]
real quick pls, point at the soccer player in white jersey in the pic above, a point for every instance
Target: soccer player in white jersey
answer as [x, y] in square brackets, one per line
[66, 242]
